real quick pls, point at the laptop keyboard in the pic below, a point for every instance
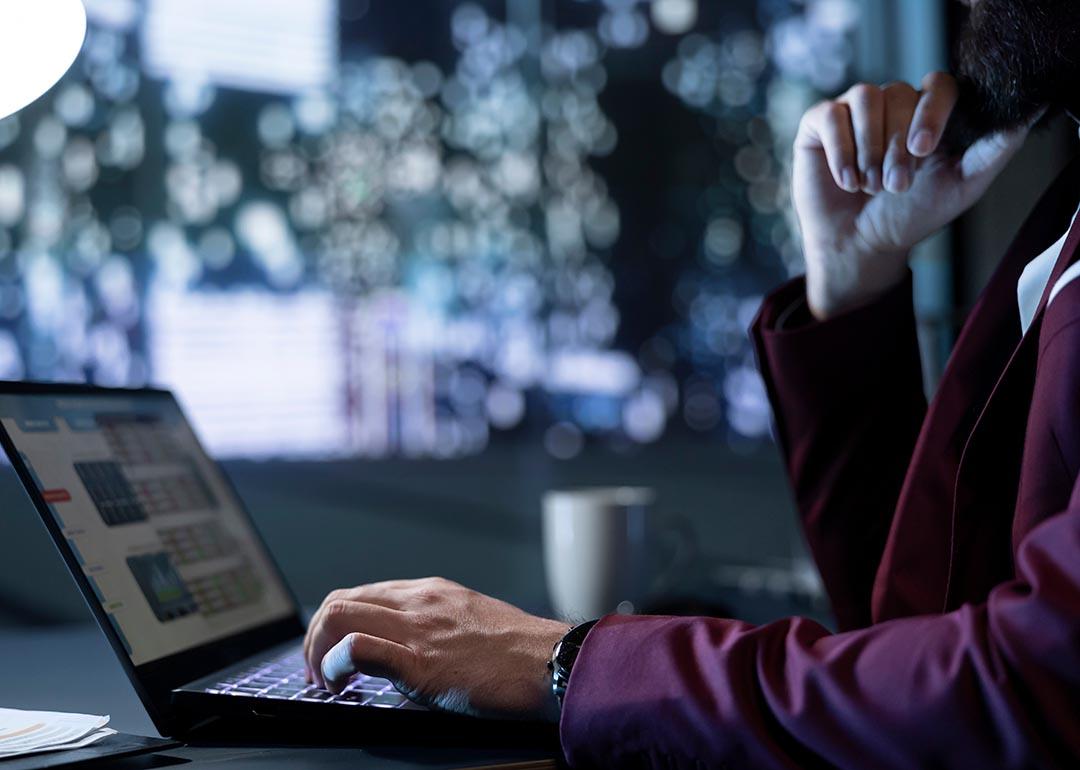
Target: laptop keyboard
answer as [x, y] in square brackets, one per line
[283, 679]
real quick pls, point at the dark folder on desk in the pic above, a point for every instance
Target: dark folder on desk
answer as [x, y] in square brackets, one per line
[114, 747]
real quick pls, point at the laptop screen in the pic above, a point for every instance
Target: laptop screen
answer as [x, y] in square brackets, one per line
[157, 530]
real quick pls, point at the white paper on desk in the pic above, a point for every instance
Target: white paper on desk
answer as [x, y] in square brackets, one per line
[28, 732]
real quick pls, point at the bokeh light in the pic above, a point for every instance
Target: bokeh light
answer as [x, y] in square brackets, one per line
[331, 248]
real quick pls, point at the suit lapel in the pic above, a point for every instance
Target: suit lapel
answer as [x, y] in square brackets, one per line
[980, 384]
[988, 477]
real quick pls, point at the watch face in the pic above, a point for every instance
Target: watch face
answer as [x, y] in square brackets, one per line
[565, 655]
[566, 651]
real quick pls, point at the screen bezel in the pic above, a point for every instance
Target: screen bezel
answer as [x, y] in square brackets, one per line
[154, 680]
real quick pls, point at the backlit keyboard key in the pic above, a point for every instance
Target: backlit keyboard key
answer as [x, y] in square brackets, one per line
[386, 699]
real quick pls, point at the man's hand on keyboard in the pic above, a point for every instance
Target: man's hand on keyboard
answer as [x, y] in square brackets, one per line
[441, 644]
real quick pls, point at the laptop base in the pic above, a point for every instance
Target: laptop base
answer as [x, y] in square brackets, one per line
[282, 724]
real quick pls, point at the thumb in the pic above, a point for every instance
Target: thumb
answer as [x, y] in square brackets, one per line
[988, 156]
[985, 159]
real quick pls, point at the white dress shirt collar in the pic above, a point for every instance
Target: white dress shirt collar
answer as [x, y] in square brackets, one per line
[1033, 281]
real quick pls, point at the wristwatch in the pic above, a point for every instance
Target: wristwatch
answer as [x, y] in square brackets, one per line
[563, 656]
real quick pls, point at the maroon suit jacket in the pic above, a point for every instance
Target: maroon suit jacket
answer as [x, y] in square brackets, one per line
[948, 539]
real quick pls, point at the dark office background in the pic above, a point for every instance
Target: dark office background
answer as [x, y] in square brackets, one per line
[408, 265]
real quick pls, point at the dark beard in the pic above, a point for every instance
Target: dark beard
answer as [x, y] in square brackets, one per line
[1014, 58]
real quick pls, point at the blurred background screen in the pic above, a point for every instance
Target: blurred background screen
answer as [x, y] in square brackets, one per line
[362, 228]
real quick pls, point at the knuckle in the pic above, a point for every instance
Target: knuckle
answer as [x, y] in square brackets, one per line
[328, 599]
[819, 108]
[423, 623]
[435, 583]
[819, 115]
[809, 118]
[901, 92]
[938, 80]
[898, 86]
[336, 610]
[863, 93]
[836, 112]
[336, 606]
[805, 120]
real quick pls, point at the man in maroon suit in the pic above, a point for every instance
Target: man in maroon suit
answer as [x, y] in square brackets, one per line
[948, 537]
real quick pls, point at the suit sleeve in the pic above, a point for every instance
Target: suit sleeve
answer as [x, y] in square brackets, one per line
[848, 403]
[989, 685]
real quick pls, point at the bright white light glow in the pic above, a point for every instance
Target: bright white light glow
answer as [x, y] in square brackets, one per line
[260, 373]
[674, 17]
[601, 372]
[38, 42]
[278, 46]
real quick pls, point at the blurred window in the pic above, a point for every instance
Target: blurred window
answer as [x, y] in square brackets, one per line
[382, 228]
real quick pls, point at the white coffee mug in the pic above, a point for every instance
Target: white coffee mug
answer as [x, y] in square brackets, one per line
[597, 549]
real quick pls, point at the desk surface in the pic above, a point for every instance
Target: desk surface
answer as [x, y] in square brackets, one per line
[73, 669]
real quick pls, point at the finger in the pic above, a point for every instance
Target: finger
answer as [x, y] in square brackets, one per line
[308, 672]
[827, 127]
[311, 623]
[389, 593]
[899, 166]
[932, 114]
[341, 617]
[333, 616]
[867, 105]
[358, 653]
[320, 633]
[392, 594]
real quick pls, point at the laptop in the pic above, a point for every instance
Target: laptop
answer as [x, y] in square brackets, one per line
[171, 564]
